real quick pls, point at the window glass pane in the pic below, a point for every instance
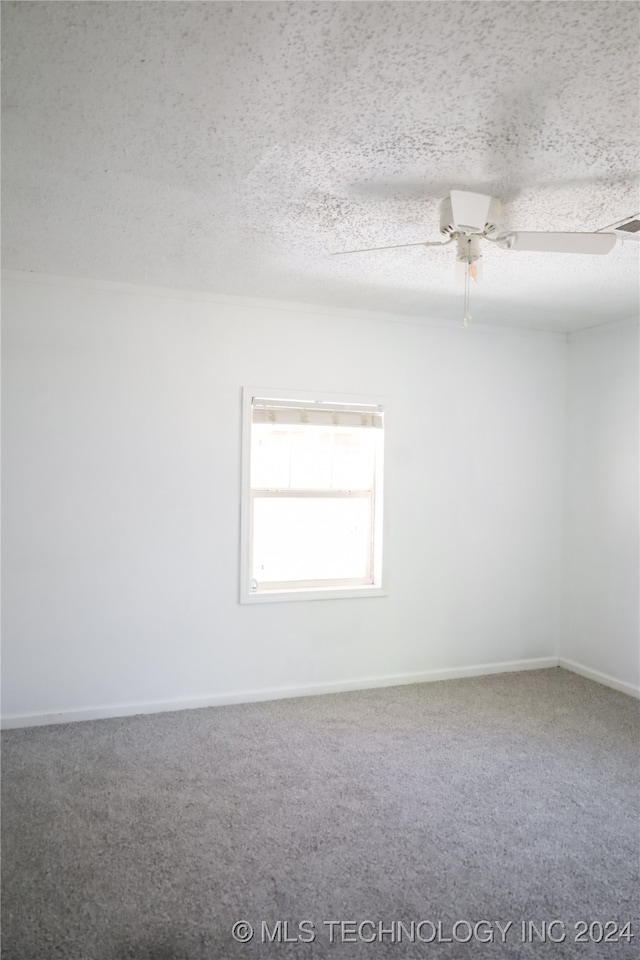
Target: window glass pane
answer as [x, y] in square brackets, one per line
[311, 538]
[270, 457]
[307, 457]
[353, 460]
[311, 454]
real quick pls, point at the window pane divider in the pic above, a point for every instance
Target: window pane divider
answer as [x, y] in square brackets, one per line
[283, 586]
[316, 494]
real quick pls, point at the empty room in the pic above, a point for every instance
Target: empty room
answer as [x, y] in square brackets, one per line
[320, 480]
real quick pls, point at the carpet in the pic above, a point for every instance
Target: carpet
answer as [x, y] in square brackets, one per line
[488, 817]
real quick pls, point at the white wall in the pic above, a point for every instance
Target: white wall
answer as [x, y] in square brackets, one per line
[121, 498]
[602, 632]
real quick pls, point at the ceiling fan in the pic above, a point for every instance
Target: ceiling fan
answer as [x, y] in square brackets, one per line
[469, 218]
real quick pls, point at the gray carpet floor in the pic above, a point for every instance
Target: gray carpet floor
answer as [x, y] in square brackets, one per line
[507, 798]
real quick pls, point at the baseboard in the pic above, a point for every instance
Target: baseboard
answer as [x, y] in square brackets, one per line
[274, 693]
[623, 686]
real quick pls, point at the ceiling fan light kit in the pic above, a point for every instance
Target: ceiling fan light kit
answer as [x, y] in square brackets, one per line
[469, 217]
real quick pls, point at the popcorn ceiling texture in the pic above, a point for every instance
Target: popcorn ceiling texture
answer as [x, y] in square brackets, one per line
[231, 147]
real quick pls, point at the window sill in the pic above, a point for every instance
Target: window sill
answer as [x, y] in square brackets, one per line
[314, 593]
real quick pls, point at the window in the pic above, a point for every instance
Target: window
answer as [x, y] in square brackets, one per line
[312, 496]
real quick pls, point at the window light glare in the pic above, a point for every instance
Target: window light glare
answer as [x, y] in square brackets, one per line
[312, 511]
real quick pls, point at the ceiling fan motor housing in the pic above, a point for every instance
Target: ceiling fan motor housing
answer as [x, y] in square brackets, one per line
[468, 213]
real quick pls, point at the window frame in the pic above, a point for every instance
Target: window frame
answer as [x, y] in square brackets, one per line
[324, 590]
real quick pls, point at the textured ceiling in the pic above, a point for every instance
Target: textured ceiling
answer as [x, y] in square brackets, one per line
[231, 147]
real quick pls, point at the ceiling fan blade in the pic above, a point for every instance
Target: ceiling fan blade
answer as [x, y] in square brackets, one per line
[542, 242]
[395, 246]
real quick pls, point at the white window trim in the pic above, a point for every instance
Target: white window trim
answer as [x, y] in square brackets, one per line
[309, 592]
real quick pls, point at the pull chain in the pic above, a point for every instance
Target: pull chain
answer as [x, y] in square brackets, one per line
[469, 255]
[467, 314]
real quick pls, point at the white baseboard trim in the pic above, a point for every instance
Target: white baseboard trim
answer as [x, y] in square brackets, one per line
[274, 693]
[633, 690]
